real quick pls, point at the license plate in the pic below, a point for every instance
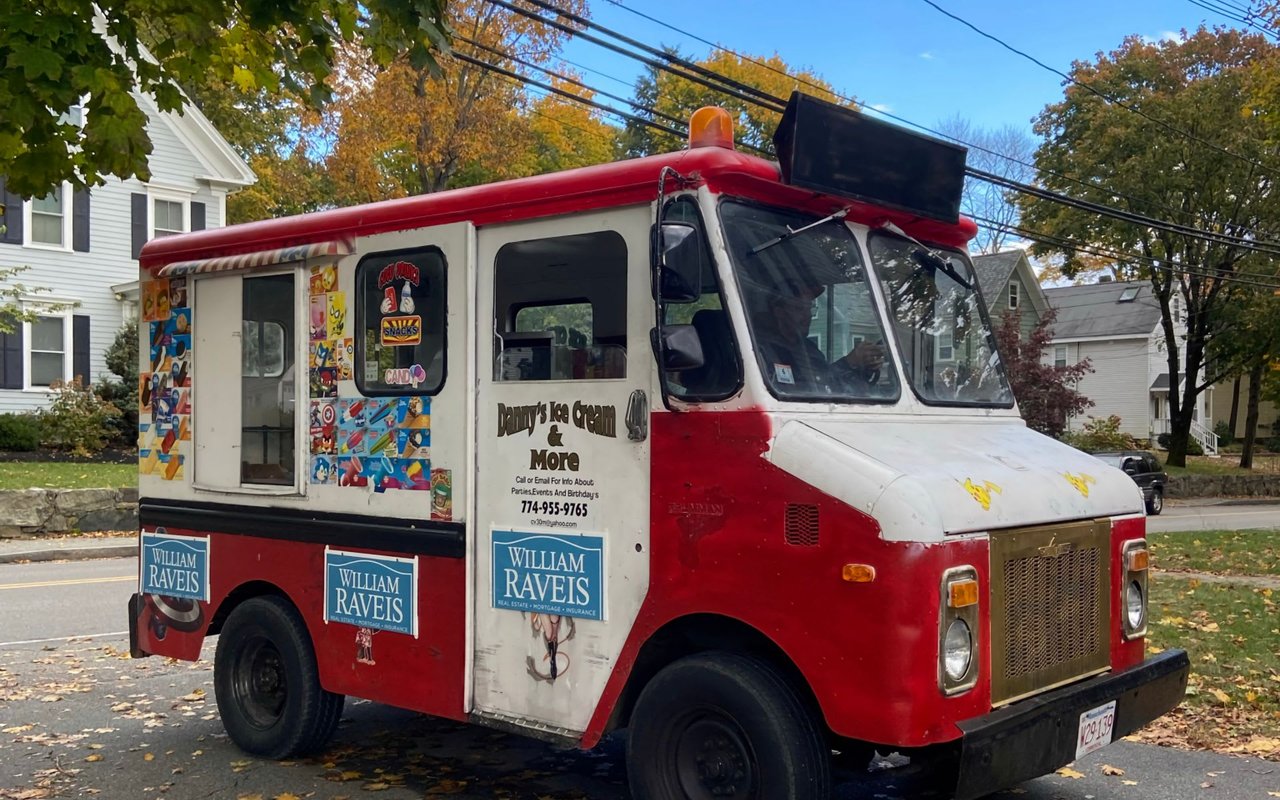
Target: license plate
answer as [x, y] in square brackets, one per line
[1096, 727]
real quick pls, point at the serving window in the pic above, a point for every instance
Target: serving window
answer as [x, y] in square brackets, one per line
[561, 308]
[400, 322]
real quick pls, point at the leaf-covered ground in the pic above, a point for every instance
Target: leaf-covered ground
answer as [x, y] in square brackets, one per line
[1231, 631]
[1250, 552]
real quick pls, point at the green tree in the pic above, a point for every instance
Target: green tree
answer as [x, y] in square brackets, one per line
[58, 52]
[1203, 84]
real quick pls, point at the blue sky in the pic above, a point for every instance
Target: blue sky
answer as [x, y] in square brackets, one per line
[903, 55]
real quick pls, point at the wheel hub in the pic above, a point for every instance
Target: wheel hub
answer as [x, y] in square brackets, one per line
[259, 682]
[713, 760]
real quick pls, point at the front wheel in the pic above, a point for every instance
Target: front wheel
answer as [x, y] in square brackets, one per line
[723, 725]
[267, 682]
[1156, 504]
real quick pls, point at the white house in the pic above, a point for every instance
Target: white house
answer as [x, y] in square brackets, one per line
[82, 247]
[1117, 327]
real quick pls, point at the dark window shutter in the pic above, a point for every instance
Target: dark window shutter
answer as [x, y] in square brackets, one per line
[80, 349]
[12, 220]
[197, 216]
[139, 203]
[80, 221]
[11, 358]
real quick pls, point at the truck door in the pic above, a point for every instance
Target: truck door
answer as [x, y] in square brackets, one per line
[561, 535]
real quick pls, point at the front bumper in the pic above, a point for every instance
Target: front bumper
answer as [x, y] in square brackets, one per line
[1036, 736]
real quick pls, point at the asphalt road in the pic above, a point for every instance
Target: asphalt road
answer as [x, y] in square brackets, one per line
[1215, 517]
[79, 719]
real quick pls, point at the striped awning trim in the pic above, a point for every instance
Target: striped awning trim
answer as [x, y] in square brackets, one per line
[262, 258]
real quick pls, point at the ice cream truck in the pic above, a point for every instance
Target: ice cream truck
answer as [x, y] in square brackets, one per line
[712, 448]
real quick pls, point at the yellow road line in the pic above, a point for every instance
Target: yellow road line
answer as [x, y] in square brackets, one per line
[76, 582]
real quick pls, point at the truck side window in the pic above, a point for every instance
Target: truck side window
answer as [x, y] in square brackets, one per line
[721, 372]
[560, 307]
[400, 316]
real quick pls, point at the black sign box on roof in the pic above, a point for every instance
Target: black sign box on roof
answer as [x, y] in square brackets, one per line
[841, 151]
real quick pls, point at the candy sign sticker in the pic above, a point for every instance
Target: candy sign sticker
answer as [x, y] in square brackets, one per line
[175, 566]
[549, 573]
[378, 592]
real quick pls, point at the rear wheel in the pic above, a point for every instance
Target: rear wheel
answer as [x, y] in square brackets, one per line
[1156, 503]
[267, 682]
[723, 725]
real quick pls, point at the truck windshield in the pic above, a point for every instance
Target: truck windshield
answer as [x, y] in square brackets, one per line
[943, 336]
[815, 327]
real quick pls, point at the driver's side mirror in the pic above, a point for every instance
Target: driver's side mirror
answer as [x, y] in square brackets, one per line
[678, 248]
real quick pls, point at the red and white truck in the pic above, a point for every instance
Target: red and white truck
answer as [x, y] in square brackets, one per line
[714, 448]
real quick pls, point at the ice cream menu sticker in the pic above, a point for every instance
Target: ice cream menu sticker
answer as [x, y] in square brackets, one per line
[164, 388]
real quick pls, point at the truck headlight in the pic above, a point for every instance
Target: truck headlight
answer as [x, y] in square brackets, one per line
[957, 650]
[1135, 605]
[958, 630]
[1135, 559]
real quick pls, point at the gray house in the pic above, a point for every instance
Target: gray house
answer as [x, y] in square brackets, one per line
[1009, 284]
[1117, 327]
[82, 247]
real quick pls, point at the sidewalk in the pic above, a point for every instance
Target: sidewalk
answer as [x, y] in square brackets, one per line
[66, 548]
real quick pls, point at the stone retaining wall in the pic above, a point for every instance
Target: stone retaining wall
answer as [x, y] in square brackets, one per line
[1224, 486]
[27, 512]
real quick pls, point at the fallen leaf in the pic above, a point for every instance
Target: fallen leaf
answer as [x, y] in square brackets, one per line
[1127, 782]
[376, 787]
[1107, 769]
[1068, 772]
[286, 796]
[1221, 696]
[94, 757]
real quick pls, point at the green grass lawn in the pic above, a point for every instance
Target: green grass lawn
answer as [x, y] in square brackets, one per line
[1252, 552]
[1232, 634]
[50, 475]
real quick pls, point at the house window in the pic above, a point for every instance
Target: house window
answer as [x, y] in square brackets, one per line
[946, 346]
[49, 219]
[1013, 294]
[168, 217]
[1060, 355]
[47, 355]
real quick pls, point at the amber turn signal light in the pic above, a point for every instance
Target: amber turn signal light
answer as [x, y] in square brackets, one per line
[962, 594]
[1138, 560]
[859, 573]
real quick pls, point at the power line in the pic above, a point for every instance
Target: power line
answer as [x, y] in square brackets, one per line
[1120, 256]
[1242, 16]
[1103, 210]
[1091, 186]
[1127, 106]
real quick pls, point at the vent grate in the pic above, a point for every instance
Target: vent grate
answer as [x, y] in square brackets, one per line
[801, 527]
[1051, 612]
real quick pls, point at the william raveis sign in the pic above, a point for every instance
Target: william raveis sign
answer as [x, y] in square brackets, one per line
[369, 591]
[175, 566]
[549, 573]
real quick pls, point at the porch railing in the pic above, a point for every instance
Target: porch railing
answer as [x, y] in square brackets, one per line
[1207, 439]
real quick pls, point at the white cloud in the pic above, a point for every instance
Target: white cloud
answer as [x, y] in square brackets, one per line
[927, 56]
[1164, 36]
[885, 107]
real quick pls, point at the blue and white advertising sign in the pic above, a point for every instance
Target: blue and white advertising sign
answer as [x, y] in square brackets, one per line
[175, 566]
[549, 573]
[379, 592]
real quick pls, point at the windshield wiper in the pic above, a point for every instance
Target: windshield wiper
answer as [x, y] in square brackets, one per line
[929, 258]
[841, 214]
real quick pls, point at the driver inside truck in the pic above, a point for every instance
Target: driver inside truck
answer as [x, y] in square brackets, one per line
[790, 358]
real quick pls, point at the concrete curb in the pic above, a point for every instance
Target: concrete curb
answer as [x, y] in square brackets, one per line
[71, 553]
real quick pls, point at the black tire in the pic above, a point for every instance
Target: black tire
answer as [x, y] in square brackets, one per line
[267, 683]
[1155, 504]
[724, 725]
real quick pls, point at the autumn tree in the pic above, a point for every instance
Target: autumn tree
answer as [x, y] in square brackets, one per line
[1004, 151]
[58, 52]
[1097, 148]
[402, 131]
[1046, 393]
[668, 100]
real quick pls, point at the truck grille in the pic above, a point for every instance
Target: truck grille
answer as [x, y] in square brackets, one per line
[1050, 606]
